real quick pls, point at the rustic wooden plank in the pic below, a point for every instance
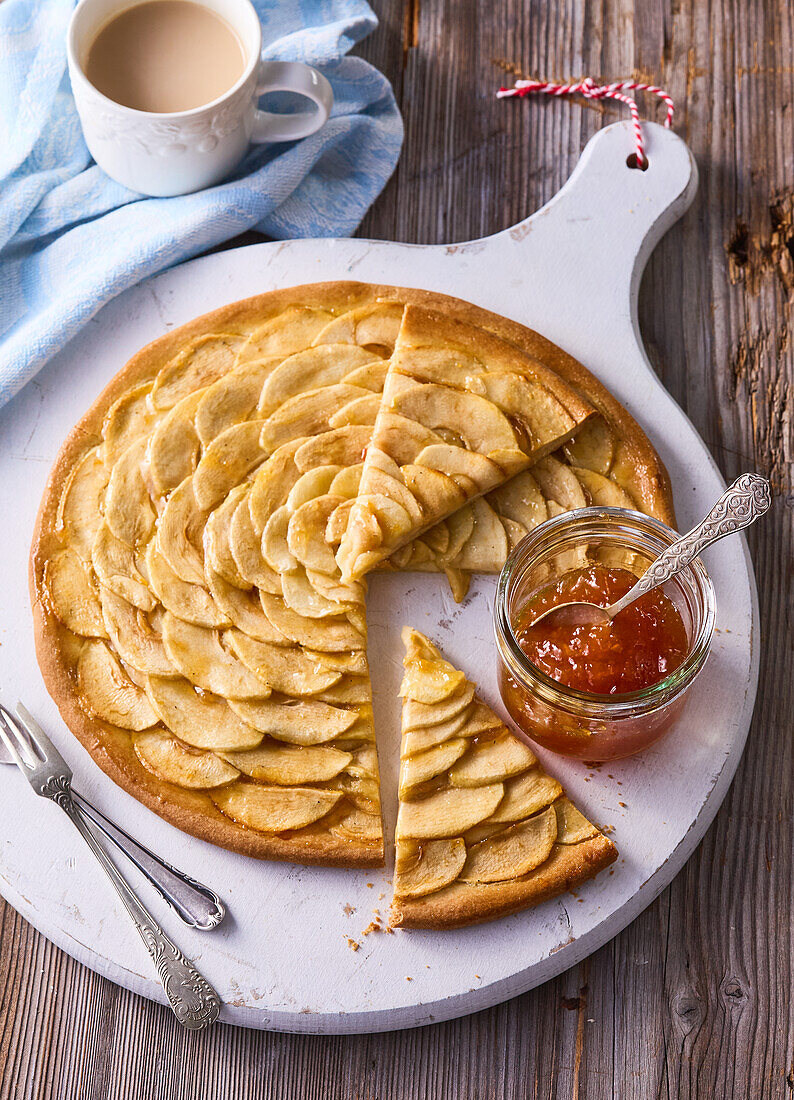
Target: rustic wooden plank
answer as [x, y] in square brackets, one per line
[693, 999]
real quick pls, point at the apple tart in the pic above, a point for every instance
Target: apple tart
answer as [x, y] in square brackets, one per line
[462, 412]
[191, 620]
[482, 829]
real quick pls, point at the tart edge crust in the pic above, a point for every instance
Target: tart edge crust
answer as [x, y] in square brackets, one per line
[462, 904]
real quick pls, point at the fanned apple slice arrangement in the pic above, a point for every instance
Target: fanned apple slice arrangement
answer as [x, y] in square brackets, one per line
[482, 829]
[198, 578]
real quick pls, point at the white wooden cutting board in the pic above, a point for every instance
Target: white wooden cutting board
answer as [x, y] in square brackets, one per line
[282, 959]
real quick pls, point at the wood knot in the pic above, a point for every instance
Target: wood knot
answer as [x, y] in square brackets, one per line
[689, 1011]
[733, 991]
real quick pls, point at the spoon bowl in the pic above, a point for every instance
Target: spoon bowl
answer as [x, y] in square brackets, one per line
[740, 505]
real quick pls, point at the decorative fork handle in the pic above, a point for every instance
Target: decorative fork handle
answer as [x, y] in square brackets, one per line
[740, 505]
[194, 1002]
[196, 904]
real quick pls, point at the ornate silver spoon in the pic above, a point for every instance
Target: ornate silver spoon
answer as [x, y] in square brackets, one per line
[739, 506]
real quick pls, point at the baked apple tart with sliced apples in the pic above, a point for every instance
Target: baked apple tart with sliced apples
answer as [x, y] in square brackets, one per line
[198, 575]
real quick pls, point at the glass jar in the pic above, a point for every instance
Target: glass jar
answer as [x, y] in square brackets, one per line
[584, 724]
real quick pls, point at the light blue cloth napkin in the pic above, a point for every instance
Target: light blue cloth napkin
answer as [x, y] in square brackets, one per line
[71, 238]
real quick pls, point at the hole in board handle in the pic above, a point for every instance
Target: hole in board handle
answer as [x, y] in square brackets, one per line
[633, 161]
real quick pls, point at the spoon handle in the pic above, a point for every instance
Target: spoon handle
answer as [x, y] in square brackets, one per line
[739, 506]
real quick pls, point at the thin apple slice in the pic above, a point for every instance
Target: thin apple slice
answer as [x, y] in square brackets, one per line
[200, 363]
[421, 740]
[332, 588]
[377, 325]
[109, 692]
[418, 716]
[593, 446]
[307, 414]
[360, 412]
[128, 508]
[355, 661]
[118, 568]
[486, 549]
[330, 634]
[174, 445]
[430, 681]
[361, 826]
[180, 533]
[478, 421]
[349, 689]
[541, 415]
[170, 760]
[232, 399]
[306, 600]
[71, 595]
[217, 530]
[602, 491]
[132, 635]
[275, 547]
[423, 868]
[272, 484]
[127, 419]
[226, 461]
[274, 809]
[520, 500]
[243, 609]
[79, 514]
[191, 602]
[435, 492]
[420, 767]
[495, 758]
[199, 719]
[525, 795]
[448, 812]
[311, 369]
[456, 462]
[306, 534]
[299, 722]
[283, 669]
[290, 765]
[512, 852]
[559, 484]
[572, 826]
[247, 551]
[403, 439]
[312, 484]
[289, 331]
[198, 654]
[370, 376]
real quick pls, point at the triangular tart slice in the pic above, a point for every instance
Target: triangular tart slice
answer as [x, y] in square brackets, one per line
[482, 829]
[462, 412]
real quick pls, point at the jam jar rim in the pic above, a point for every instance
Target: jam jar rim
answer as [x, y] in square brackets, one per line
[593, 704]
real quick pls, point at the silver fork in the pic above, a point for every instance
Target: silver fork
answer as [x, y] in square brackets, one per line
[192, 901]
[195, 1003]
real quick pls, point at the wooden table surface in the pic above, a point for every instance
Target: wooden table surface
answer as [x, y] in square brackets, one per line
[694, 998]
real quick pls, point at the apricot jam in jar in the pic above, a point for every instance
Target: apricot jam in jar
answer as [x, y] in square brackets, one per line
[602, 692]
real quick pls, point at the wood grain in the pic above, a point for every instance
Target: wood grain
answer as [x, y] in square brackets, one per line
[694, 998]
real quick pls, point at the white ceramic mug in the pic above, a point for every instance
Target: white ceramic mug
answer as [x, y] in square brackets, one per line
[175, 153]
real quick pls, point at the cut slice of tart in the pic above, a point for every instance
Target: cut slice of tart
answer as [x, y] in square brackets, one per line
[462, 412]
[482, 829]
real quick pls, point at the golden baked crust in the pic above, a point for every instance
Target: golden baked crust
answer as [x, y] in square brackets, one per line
[459, 905]
[482, 830]
[222, 342]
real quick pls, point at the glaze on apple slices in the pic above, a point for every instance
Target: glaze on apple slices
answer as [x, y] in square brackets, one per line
[482, 829]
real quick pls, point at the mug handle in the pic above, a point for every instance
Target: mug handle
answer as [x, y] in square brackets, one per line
[303, 80]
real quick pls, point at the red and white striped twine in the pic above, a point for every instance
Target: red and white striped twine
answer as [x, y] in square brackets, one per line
[590, 90]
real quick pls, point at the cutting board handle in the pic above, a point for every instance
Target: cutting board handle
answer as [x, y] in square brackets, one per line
[593, 239]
